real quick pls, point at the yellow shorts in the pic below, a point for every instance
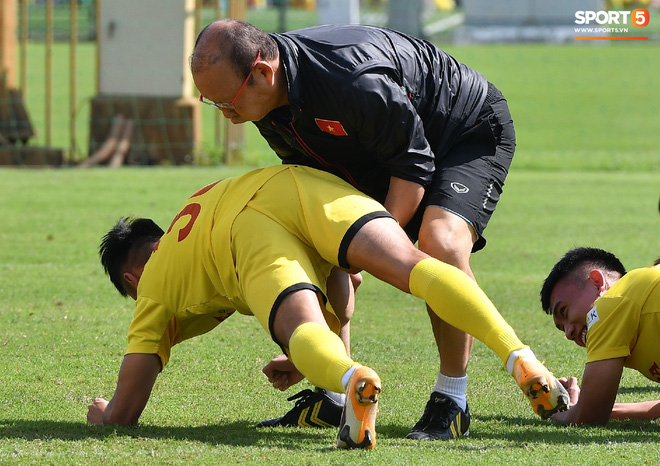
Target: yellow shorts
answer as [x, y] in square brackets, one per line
[290, 235]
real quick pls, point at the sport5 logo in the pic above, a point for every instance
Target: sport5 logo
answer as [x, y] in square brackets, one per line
[638, 17]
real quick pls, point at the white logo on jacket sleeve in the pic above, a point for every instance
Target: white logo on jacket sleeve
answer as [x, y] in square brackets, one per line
[592, 317]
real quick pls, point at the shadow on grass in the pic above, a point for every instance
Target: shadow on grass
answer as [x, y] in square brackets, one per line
[517, 430]
[640, 390]
[537, 430]
[243, 433]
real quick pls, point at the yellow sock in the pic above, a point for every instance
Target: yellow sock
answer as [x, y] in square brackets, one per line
[320, 355]
[459, 301]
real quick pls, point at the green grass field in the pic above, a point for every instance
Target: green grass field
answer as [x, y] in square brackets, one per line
[587, 172]
[63, 333]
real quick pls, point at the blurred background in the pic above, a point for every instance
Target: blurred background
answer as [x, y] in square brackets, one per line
[106, 82]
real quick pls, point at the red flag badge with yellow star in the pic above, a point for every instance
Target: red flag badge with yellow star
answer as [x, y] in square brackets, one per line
[331, 127]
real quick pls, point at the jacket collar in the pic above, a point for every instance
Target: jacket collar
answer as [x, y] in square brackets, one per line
[289, 59]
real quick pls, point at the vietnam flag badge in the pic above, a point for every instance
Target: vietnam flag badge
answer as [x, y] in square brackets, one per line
[332, 127]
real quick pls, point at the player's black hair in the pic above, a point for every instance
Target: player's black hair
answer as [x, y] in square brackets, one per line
[128, 234]
[239, 40]
[571, 262]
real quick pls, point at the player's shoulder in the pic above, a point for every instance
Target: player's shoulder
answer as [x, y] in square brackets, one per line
[644, 275]
[636, 284]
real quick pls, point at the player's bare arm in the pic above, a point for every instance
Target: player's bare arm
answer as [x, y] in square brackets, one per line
[137, 376]
[600, 384]
[403, 199]
[642, 411]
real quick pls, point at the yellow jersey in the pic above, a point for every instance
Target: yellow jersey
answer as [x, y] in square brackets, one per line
[242, 244]
[625, 322]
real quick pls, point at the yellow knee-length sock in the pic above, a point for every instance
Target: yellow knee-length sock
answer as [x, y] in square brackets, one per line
[459, 301]
[320, 355]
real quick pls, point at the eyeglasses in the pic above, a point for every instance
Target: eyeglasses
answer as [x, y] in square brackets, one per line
[230, 105]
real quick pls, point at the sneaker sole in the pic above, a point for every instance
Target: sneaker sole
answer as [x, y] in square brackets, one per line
[546, 399]
[556, 400]
[358, 424]
[425, 437]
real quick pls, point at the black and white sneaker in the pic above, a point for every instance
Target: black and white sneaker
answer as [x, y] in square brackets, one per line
[442, 420]
[317, 408]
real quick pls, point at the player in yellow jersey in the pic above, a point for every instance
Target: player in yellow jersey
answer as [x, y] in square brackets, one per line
[263, 244]
[614, 315]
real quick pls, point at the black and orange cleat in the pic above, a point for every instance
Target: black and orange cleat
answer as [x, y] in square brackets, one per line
[546, 394]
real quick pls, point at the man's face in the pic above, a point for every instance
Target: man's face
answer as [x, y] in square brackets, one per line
[221, 84]
[570, 302]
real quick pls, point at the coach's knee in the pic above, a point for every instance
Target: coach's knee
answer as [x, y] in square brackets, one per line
[448, 238]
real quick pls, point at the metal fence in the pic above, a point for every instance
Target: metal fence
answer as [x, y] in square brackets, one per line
[34, 20]
[49, 85]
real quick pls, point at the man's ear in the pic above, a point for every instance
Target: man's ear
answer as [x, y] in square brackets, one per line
[265, 69]
[131, 278]
[597, 277]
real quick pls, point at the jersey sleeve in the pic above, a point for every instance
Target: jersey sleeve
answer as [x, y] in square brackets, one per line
[179, 330]
[169, 339]
[149, 323]
[615, 329]
[154, 330]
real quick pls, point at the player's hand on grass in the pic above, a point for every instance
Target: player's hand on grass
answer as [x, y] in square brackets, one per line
[95, 411]
[281, 373]
[573, 389]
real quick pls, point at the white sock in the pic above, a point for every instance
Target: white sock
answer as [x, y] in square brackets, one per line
[338, 397]
[453, 387]
[347, 376]
[525, 352]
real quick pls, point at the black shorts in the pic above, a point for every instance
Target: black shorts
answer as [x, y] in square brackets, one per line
[469, 175]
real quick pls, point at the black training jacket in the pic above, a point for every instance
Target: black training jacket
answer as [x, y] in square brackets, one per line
[367, 103]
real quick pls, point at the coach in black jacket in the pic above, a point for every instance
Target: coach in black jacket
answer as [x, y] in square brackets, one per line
[396, 117]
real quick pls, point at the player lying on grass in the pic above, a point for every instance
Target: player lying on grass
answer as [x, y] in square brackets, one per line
[263, 244]
[614, 315]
